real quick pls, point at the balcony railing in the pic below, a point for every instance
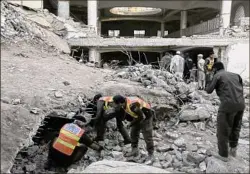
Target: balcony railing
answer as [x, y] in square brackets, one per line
[206, 27]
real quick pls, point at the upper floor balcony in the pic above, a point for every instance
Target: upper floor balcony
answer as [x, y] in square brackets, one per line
[207, 27]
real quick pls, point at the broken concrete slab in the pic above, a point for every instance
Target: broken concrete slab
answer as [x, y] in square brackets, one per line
[234, 165]
[105, 166]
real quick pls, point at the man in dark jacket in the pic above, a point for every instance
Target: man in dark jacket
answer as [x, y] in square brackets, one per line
[229, 88]
[187, 67]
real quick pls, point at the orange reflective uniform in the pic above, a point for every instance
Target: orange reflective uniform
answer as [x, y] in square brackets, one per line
[131, 100]
[107, 100]
[68, 138]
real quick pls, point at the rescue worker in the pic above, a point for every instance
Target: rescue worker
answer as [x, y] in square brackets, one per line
[106, 112]
[209, 62]
[70, 146]
[201, 73]
[165, 61]
[139, 114]
[187, 67]
[177, 65]
[229, 88]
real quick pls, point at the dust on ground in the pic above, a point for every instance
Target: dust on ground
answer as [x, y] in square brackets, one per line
[31, 75]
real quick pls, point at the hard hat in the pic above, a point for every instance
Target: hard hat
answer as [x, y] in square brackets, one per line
[178, 52]
[200, 55]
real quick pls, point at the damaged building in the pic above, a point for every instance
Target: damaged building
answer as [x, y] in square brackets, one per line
[44, 87]
[146, 28]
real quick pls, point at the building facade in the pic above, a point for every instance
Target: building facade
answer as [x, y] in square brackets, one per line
[151, 20]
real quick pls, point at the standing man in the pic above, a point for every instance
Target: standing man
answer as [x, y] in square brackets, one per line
[209, 62]
[229, 88]
[201, 72]
[177, 65]
[139, 114]
[165, 61]
[187, 67]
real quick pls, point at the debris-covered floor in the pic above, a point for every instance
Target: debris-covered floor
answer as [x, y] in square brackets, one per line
[185, 147]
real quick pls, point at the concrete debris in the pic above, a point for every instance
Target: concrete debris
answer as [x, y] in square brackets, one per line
[172, 135]
[6, 100]
[195, 157]
[118, 167]
[66, 83]
[58, 94]
[16, 101]
[234, 165]
[180, 142]
[19, 23]
[35, 111]
[163, 148]
[203, 166]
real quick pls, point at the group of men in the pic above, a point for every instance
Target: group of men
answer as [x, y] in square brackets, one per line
[185, 67]
[72, 142]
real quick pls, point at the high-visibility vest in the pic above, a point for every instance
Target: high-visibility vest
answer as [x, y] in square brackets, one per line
[107, 100]
[131, 100]
[210, 65]
[68, 138]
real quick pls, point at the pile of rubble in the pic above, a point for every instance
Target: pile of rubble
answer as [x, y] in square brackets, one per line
[179, 146]
[194, 104]
[22, 23]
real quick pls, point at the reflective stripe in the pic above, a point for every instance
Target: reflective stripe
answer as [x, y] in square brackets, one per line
[128, 110]
[107, 101]
[65, 143]
[72, 136]
[131, 100]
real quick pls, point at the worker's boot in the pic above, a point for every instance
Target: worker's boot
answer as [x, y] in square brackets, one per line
[150, 159]
[233, 151]
[216, 155]
[134, 152]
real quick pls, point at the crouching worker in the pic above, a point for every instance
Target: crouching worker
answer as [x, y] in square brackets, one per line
[140, 116]
[106, 112]
[70, 146]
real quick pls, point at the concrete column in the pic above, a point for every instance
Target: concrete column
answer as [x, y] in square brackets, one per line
[99, 28]
[223, 55]
[183, 23]
[94, 55]
[162, 28]
[63, 9]
[216, 52]
[92, 14]
[225, 13]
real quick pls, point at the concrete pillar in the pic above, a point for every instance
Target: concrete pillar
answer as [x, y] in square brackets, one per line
[223, 55]
[63, 9]
[216, 52]
[99, 28]
[92, 14]
[94, 55]
[225, 13]
[162, 28]
[183, 23]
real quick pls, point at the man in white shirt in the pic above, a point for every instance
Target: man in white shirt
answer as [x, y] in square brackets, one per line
[201, 72]
[177, 65]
